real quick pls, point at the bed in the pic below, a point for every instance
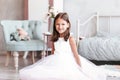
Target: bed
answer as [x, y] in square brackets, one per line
[104, 44]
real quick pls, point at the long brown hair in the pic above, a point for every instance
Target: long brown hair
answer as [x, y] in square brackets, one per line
[55, 34]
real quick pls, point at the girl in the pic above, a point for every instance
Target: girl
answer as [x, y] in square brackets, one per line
[64, 63]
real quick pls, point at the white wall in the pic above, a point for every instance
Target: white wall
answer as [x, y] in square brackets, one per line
[58, 5]
[37, 9]
[84, 8]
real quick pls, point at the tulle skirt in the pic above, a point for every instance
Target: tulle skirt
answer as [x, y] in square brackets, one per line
[62, 67]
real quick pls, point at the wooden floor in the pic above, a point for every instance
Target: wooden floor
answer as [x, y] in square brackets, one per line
[9, 73]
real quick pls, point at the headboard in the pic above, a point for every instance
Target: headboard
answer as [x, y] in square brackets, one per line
[103, 21]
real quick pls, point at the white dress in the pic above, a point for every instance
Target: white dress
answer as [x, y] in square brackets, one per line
[62, 66]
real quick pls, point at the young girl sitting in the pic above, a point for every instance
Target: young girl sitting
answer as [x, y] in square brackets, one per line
[64, 63]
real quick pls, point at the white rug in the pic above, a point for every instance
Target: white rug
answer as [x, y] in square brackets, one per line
[111, 67]
[112, 70]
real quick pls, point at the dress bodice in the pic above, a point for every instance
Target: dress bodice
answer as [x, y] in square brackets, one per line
[62, 46]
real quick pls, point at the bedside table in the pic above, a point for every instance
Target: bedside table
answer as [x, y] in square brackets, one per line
[46, 49]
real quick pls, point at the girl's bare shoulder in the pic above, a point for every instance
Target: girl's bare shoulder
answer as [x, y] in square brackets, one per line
[71, 39]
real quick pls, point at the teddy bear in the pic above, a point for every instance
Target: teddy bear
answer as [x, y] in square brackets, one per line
[23, 35]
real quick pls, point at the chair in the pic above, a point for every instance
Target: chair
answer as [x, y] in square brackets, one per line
[34, 29]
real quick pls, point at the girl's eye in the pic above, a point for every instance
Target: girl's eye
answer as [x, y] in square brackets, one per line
[57, 24]
[60, 24]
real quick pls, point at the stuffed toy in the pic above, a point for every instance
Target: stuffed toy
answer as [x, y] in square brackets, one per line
[23, 35]
[19, 35]
[14, 36]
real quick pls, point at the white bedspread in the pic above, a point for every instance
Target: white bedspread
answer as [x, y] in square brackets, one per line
[100, 48]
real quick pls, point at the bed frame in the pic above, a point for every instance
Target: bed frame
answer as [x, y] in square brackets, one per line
[96, 15]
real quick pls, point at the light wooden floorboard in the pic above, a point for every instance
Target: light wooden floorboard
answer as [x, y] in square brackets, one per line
[9, 72]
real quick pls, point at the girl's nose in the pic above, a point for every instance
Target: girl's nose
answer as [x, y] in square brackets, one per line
[60, 26]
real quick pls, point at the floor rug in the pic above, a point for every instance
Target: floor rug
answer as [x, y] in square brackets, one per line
[113, 68]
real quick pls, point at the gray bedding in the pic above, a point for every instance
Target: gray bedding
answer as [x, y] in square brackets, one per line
[100, 48]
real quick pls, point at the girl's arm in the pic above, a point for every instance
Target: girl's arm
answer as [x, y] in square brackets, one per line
[52, 48]
[74, 50]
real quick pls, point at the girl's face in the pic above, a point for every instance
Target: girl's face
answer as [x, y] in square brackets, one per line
[61, 25]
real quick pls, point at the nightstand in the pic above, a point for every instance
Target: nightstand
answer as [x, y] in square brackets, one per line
[46, 40]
